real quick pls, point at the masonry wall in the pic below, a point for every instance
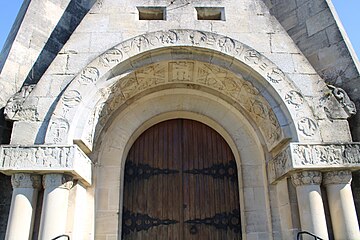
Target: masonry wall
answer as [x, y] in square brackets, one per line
[322, 39]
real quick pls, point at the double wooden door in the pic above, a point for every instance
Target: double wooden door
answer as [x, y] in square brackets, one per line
[180, 184]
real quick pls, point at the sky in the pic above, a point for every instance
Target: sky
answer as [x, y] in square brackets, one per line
[348, 10]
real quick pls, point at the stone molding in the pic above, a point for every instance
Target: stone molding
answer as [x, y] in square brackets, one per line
[25, 180]
[337, 177]
[44, 159]
[87, 89]
[56, 180]
[306, 178]
[321, 156]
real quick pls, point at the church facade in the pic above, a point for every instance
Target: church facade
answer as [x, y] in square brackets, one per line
[181, 119]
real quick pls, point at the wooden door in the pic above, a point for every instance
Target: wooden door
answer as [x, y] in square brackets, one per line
[181, 183]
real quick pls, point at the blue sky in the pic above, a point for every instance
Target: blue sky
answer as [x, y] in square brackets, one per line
[348, 10]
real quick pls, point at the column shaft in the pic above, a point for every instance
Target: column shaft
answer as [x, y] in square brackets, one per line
[55, 205]
[23, 204]
[341, 203]
[311, 208]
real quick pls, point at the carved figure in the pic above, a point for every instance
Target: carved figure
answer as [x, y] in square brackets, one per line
[15, 103]
[344, 100]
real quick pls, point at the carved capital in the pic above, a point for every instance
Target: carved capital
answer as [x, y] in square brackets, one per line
[306, 178]
[24, 180]
[337, 177]
[57, 181]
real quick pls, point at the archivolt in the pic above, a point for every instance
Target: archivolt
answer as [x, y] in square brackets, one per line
[274, 94]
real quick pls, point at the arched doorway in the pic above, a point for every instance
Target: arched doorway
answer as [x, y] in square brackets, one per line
[181, 183]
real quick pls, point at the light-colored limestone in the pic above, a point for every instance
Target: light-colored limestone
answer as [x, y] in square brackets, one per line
[55, 205]
[341, 203]
[23, 206]
[311, 208]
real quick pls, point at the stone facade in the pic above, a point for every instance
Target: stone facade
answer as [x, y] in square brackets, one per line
[265, 76]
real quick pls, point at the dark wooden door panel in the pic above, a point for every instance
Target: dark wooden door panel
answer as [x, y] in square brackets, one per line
[181, 183]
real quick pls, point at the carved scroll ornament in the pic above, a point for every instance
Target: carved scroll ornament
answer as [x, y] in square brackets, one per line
[344, 100]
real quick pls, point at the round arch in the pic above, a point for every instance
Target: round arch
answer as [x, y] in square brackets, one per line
[243, 139]
[91, 87]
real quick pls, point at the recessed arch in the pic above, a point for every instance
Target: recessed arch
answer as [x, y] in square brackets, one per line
[117, 139]
[91, 85]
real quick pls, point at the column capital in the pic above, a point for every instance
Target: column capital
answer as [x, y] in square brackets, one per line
[337, 177]
[57, 180]
[25, 180]
[306, 178]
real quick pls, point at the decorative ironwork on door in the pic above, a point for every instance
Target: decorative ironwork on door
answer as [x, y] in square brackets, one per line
[181, 183]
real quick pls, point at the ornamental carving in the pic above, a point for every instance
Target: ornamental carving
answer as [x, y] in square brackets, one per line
[25, 180]
[343, 99]
[189, 74]
[306, 178]
[314, 156]
[89, 75]
[294, 98]
[45, 158]
[337, 177]
[103, 71]
[16, 109]
[56, 180]
[307, 126]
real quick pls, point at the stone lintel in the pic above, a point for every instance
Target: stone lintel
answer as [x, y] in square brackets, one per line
[314, 156]
[43, 159]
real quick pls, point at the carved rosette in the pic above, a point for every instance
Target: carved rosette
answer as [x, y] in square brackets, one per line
[57, 181]
[337, 177]
[25, 180]
[306, 178]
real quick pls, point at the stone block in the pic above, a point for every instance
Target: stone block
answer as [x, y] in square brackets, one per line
[319, 22]
[282, 43]
[308, 9]
[302, 65]
[313, 43]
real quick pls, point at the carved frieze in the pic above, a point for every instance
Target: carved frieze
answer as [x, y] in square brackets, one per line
[194, 73]
[213, 45]
[45, 158]
[314, 156]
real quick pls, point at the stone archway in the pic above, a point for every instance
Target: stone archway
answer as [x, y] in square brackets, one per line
[92, 85]
[162, 105]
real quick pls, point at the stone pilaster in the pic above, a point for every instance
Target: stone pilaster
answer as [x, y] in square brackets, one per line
[55, 205]
[341, 204]
[23, 203]
[311, 208]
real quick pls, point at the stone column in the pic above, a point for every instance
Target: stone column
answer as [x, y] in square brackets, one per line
[341, 204]
[55, 205]
[311, 208]
[23, 204]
